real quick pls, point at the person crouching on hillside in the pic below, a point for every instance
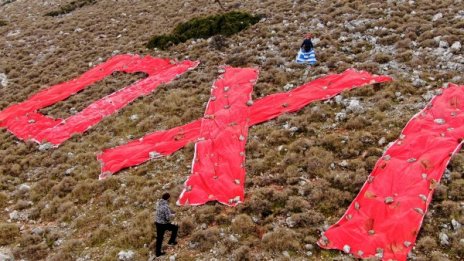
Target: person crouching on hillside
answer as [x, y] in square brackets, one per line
[163, 222]
[306, 55]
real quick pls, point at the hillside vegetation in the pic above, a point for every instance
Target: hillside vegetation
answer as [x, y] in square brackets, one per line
[303, 169]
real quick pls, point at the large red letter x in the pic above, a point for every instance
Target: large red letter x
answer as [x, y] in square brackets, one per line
[220, 136]
[25, 122]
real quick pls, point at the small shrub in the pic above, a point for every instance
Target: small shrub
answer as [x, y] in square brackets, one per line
[206, 238]
[426, 244]
[186, 226]
[8, 233]
[70, 7]
[225, 24]
[281, 240]
[3, 199]
[242, 224]
[242, 253]
[382, 58]
[3, 23]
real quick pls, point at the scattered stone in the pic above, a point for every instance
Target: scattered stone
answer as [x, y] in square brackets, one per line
[417, 82]
[346, 249]
[134, 117]
[154, 155]
[126, 255]
[382, 141]
[24, 188]
[14, 216]
[3, 80]
[309, 253]
[443, 44]
[73, 111]
[37, 231]
[456, 225]
[69, 171]
[172, 258]
[309, 247]
[45, 146]
[444, 239]
[290, 222]
[232, 238]
[344, 163]
[288, 86]
[340, 116]
[6, 255]
[354, 106]
[439, 121]
[437, 17]
[286, 254]
[456, 47]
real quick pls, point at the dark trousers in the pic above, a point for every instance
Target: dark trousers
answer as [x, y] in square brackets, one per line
[160, 229]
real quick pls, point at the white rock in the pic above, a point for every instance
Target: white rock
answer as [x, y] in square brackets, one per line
[346, 249]
[3, 80]
[382, 141]
[232, 238]
[354, 106]
[309, 247]
[444, 239]
[45, 146]
[290, 222]
[456, 46]
[288, 86]
[340, 116]
[456, 225]
[14, 215]
[172, 258]
[286, 254]
[437, 17]
[6, 255]
[443, 44]
[38, 231]
[126, 255]
[24, 188]
[134, 117]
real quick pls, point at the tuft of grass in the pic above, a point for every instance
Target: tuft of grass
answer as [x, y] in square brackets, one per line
[8, 233]
[204, 27]
[3, 23]
[66, 9]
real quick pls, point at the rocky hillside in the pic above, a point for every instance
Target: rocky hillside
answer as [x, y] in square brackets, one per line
[303, 169]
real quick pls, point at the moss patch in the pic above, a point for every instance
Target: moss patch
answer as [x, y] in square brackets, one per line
[225, 24]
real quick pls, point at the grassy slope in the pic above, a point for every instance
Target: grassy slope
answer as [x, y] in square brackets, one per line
[83, 217]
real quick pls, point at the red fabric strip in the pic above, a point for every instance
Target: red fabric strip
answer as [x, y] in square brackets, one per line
[385, 217]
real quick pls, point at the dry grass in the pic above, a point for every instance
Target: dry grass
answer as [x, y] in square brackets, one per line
[293, 175]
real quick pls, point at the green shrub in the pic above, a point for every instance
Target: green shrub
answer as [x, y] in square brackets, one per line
[70, 7]
[8, 233]
[224, 24]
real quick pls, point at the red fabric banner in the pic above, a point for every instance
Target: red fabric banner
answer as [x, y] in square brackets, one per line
[163, 143]
[385, 217]
[218, 171]
[25, 122]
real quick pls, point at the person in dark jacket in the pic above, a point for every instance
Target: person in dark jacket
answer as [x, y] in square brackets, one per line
[163, 222]
[306, 54]
[307, 44]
